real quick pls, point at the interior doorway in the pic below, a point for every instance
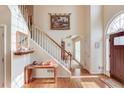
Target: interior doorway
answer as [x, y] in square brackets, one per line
[2, 55]
[77, 50]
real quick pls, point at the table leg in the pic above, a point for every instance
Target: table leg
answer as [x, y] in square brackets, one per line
[55, 76]
[27, 75]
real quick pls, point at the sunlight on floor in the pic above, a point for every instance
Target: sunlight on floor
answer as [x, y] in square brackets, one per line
[93, 76]
[90, 85]
[18, 81]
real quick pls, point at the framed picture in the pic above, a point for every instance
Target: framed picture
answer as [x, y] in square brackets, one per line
[60, 22]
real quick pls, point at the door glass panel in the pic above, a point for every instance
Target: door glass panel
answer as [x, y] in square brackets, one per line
[119, 40]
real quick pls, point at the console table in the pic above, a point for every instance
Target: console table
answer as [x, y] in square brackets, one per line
[29, 68]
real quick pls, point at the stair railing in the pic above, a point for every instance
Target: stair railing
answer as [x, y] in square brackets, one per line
[51, 46]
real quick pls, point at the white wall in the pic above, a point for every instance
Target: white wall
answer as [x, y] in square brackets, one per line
[5, 18]
[87, 38]
[94, 39]
[111, 11]
[17, 62]
[96, 33]
[42, 19]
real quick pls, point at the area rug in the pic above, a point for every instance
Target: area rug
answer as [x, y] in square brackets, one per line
[111, 83]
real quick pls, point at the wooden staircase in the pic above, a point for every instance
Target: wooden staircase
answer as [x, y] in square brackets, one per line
[45, 41]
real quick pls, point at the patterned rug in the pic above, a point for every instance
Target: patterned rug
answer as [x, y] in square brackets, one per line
[111, 83]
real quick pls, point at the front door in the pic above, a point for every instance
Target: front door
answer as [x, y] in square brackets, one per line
[117, 56]
[1, 56]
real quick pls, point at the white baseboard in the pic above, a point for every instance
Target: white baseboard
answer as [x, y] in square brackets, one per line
[91, 72]
[50, 76]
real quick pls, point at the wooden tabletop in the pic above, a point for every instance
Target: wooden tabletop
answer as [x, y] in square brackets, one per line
[31, 66]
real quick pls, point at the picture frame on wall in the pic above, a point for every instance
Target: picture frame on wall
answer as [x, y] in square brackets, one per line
[60, 22]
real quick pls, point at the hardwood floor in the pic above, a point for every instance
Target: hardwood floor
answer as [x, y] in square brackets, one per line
[81, 80]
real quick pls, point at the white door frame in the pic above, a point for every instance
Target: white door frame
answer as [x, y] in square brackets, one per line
[107, 43]
[4, 69]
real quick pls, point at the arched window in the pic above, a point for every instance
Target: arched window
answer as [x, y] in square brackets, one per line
[116, 25]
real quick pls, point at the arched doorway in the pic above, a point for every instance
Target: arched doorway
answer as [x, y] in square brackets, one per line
[116, 25]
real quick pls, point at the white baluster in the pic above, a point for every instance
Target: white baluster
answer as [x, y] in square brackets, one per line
[55, 52]
[45, 42]
[32, 32]
[38, 36]
[41, 38]
[48, 45]
[35, 34]
[58, 53]
[50, 49]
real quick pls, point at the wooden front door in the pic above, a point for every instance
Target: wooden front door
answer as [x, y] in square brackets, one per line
[116, 57]
[1, 56]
